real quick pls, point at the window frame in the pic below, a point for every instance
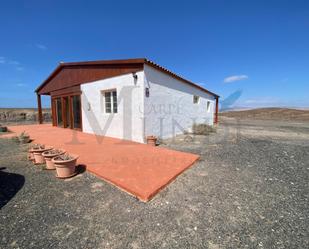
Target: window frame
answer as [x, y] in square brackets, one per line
[197, 98]
[208, 104]
[113, 101]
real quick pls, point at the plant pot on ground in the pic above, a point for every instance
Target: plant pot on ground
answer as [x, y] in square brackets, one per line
[152, 140]
[31, 151]
[24, 138]
[65, 165]
[30, 154]
[49, 155]
[37, 151]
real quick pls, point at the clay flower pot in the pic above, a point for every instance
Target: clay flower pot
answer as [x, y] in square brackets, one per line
[152, 140]
[30, 155]
[65, 165]
[37, 153]
[49, 155]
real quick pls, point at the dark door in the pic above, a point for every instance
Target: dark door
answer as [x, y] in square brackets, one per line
[76, 112]
[67, 112]
[58, 112]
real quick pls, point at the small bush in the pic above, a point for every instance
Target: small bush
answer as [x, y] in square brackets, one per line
[24, 138]
[202, 129]
[23, 135]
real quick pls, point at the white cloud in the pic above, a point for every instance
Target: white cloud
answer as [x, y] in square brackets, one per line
[6, 61]
[20, 68]
[235, 78]
[21, 84]
[14, 63]
[3, 60]
[41, 46]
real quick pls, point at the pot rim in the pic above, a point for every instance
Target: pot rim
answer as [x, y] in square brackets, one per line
[75, 157]
[53, 155]
[41, 150]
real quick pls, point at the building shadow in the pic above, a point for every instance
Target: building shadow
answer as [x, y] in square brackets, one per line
[10, 184]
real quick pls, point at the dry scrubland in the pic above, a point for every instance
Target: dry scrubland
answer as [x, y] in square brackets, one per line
[15, 115]
[281, 114]
[22, 115]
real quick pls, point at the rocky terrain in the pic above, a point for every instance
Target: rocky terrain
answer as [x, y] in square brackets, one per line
[248, 190]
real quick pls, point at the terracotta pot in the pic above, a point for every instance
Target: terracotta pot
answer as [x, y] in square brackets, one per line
[152, 140]
[30, 155]
[38, 157]
[66, 168]
[48, 158]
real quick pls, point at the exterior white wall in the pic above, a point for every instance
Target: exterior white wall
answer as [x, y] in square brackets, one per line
[127, 123]
[169, 109]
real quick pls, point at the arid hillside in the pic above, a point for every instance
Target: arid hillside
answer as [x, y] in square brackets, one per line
[283, 114]
[22, 115]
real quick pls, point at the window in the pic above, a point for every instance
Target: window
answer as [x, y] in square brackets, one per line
[208, 106]
[110, 101]
[196, 99]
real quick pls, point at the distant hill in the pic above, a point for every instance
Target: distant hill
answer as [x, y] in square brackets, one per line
[269, 114]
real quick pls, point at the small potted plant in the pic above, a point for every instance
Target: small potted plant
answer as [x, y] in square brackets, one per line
[65, 165]
[49, 155]
[152, 140]
[31, 151]
[24, 138]
[37, 151]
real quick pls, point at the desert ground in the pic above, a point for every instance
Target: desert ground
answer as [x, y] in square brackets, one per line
[248, 190]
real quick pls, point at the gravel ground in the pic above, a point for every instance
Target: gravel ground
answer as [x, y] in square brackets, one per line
[249, 190]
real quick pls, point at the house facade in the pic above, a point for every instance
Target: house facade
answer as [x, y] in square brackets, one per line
[126, 99]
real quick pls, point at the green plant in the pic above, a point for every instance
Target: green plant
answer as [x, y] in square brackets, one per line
[24, 138]
[23, 135]
[52, 152]
[202, 129]
[64, 157]
[37, 146]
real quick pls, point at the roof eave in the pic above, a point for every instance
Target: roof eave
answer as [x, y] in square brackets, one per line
[157, 66]
[117, 62]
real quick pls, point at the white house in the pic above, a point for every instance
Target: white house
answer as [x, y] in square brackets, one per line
[127, 99]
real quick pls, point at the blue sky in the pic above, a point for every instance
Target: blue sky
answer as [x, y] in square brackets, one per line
[260, 48]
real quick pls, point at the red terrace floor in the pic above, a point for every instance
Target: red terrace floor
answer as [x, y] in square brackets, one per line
[138, 169]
